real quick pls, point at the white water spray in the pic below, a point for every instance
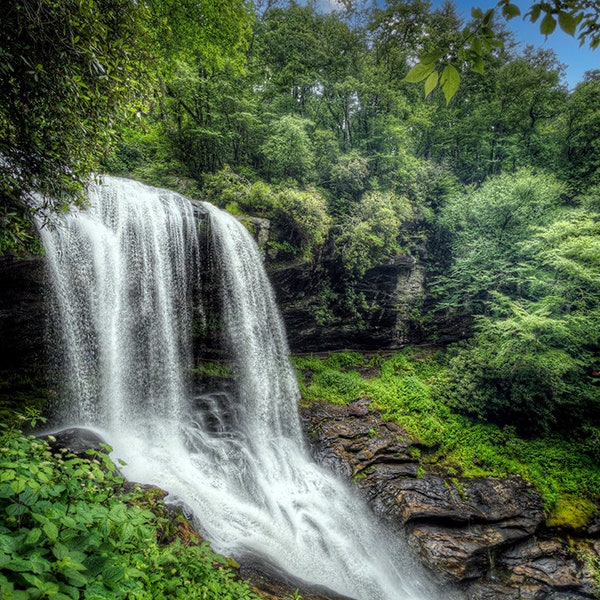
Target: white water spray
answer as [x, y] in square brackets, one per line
[124, 274]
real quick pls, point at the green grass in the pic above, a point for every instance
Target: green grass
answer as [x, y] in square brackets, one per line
[561, 469]
[213, 368]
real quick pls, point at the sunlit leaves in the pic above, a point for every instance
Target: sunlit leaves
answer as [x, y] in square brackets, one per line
[431, 82]
[419, 72]
[449, 82]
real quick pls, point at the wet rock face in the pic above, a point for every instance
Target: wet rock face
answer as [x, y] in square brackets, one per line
[22, 311]
[485, 533]
[393, 290]
[544, 562]
[24, 335]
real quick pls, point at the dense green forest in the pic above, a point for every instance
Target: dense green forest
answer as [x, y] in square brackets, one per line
[306, 118]
[285, 112]
[309, 122]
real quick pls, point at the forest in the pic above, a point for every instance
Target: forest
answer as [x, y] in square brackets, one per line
[312, 120]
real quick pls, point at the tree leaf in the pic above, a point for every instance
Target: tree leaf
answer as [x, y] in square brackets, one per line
[548, 24]
[6, 491]
[567, 22]
[510, 11]
[449, 81]
[51, 531]
[419, 72]
[431, 83]
[478, 65]
[476, 13]
[534, 13]
[33, 536]
[431, 57]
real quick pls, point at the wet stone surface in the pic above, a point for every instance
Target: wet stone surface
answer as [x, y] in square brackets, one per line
[487, 534]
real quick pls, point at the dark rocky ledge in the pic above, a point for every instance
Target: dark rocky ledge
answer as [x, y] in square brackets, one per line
[486, 534]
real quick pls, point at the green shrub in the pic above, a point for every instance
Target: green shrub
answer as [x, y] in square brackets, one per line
[226, 187]
[303, 215]
[370, 232]
[262, 199]
[335, 387]
[67, 533]
[344, 360]
[287, 149]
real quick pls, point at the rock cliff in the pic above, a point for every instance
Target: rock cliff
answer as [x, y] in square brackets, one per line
[485, 534]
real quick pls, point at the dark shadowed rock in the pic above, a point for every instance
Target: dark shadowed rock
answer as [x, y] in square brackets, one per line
[24, 368]
[75, 439]
[548, 565]
[271, 585]
[392, 290]
[510, 503]
[22, 311]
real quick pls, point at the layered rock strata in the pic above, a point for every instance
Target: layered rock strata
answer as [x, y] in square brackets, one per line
[485, 534]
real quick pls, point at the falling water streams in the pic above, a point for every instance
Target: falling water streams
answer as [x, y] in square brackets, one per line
[126, 275]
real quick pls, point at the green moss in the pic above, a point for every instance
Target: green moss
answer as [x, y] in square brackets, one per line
[563, 470]
[571, 512]
[329, 379]
[344, 360]
[335, 387]
[213, 368]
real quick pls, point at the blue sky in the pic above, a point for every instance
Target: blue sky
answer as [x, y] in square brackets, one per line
[577, 59]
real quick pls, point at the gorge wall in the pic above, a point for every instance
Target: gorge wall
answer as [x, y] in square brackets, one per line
[398, 309]
[485, 535]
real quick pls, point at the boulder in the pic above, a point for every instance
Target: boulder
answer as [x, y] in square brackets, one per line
[75, 439]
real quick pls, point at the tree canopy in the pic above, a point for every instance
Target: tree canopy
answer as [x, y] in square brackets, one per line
[71, 71]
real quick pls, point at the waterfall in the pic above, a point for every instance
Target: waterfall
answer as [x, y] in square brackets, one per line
[126, 273]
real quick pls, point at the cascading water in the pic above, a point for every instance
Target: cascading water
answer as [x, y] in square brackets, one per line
[125, 274]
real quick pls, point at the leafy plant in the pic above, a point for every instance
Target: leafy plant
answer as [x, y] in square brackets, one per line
[303, 214]
[68, 531]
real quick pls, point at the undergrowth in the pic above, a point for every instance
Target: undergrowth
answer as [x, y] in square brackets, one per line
[68, 532]
[404, 391]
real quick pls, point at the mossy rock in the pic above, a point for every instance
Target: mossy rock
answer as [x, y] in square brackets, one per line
[572, 514]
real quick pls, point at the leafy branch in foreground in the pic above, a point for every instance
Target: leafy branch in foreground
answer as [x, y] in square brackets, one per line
[436, 68]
